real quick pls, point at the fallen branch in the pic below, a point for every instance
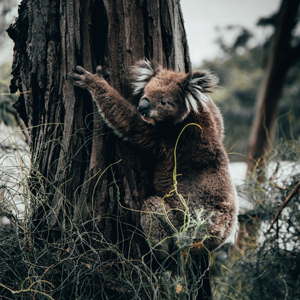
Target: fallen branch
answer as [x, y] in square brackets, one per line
[285, 202]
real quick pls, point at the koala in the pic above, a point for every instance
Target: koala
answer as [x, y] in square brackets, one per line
[179, 124]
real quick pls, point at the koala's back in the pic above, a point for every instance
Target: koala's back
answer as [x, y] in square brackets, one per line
[203, 178]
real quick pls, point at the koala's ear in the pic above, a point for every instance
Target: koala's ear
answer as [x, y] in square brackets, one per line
[196, 86]
[142, 72]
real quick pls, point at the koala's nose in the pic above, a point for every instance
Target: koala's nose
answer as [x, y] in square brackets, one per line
[144, 107]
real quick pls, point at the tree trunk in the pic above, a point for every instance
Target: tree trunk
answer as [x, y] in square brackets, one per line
[82, 175]
[279, 61]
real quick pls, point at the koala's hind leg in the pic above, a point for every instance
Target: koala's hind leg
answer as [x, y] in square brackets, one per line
[158, 222]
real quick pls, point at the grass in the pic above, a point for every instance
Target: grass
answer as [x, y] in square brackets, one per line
[266, 260]
[79, 264]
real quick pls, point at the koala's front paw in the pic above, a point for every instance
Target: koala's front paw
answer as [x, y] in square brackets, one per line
[82, 78]
[86, 80]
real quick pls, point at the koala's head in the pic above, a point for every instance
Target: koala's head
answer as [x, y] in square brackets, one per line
[168, 95]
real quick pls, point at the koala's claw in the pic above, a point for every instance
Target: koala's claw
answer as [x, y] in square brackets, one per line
[77, 79]
[86, 80]
[99, 70]
[81, 70]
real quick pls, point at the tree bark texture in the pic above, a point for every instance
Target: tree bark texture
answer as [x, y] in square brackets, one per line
[71, 148]
[81, 172]
[281, 56]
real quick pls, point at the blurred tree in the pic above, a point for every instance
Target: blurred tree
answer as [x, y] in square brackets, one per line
[241, 72]
[284, 51]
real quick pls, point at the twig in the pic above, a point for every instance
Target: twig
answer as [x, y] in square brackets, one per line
[275, 172]
[285, 202]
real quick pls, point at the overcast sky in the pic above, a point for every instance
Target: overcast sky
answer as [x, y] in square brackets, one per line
[203, 16]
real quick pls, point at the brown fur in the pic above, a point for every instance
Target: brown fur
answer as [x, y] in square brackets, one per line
[172, 100]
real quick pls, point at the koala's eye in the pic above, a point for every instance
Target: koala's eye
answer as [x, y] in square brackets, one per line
[163, 102]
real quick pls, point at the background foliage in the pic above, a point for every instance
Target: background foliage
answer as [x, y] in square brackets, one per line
[266, 265]
[240, 78]
[7, 112]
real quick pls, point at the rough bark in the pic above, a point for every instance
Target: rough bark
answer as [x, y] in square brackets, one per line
[280, 58]
[68, 140]
[80, 170]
